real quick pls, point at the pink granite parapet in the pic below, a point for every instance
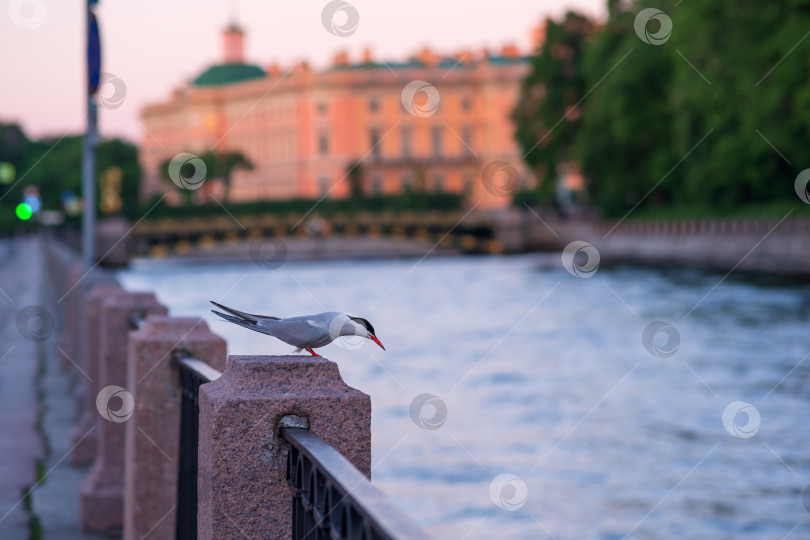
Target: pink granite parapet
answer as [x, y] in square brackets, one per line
[153, 432]
[102, 490]
[84, 436]
[69, 338]
[242, 490]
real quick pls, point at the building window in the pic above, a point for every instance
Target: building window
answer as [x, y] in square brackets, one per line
[466, 103]
[377, 185]
[374, 140]
[321, 108]
[466, 136]
[468, 180]
[406, 141]
[323, 181]
[438, 183]
[436, 137]
[407, 181]
[323, 144]
[374, 104]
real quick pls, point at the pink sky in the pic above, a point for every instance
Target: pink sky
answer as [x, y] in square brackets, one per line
[155, 46]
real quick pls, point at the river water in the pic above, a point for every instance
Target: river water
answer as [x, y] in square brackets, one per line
[546, 377]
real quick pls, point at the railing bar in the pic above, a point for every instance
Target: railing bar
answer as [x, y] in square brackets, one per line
[199, 368]
[192, 374]
[366, 497]
[136, 319]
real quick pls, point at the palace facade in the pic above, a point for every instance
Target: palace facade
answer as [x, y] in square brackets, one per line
[432, 122]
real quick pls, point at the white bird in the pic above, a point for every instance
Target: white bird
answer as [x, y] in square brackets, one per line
[306, 332]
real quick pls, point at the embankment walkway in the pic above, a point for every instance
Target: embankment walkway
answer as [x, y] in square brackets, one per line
[38, 486]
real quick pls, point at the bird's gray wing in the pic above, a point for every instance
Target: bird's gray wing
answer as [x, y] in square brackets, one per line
[306, 331]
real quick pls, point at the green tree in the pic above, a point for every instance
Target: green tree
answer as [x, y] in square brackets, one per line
[187, 170]
[218, 165]
[13, 143]
[756, 59]
[548, 112]
[14, 149]
[717, 116]
[54, 165]
[624, 144]
[222, 165]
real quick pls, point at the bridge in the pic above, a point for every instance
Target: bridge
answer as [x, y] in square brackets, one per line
[780, 245]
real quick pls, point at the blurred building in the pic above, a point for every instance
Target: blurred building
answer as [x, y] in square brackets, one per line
[302, 128]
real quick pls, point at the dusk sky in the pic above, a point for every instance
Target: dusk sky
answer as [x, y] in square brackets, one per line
[154, 46]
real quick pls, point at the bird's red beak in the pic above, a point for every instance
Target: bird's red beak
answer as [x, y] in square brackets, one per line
[373, 338]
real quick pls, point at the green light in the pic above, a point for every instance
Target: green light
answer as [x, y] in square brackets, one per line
[24, 212]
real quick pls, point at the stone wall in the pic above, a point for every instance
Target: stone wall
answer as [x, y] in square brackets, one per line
[756, 244]
[128, 346]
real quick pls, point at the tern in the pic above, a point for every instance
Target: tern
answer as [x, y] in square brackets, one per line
[306, 332]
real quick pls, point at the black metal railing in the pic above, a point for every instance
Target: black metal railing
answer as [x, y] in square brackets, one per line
[193, 373]
[136, 319]
[332, 500]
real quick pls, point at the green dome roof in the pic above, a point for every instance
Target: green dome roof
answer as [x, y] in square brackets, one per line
[228, 74]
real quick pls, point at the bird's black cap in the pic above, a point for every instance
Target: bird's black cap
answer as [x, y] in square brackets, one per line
[365, 323]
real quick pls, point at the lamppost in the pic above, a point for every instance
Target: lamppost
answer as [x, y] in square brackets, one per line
[90, 139]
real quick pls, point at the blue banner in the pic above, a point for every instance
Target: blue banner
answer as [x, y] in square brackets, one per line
[93, 55]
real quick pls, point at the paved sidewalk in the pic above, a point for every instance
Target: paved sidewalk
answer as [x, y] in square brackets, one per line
[55, 502]
[21, 446]
[39, 489]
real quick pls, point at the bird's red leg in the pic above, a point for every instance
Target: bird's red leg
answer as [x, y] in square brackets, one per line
[313, 353]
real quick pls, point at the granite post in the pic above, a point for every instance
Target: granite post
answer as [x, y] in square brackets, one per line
[242, 486]
[102, 490]
[84, 436]
[69, 339]
[153, 432]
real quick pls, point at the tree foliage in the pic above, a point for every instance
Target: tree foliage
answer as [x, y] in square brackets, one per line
[547, 115]
[222, 165]
[716, 116]
[54, 165]
[218, 165]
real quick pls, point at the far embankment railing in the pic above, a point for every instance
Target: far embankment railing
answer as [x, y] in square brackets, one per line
[772, 245]
[779, 245]
[730, 226]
